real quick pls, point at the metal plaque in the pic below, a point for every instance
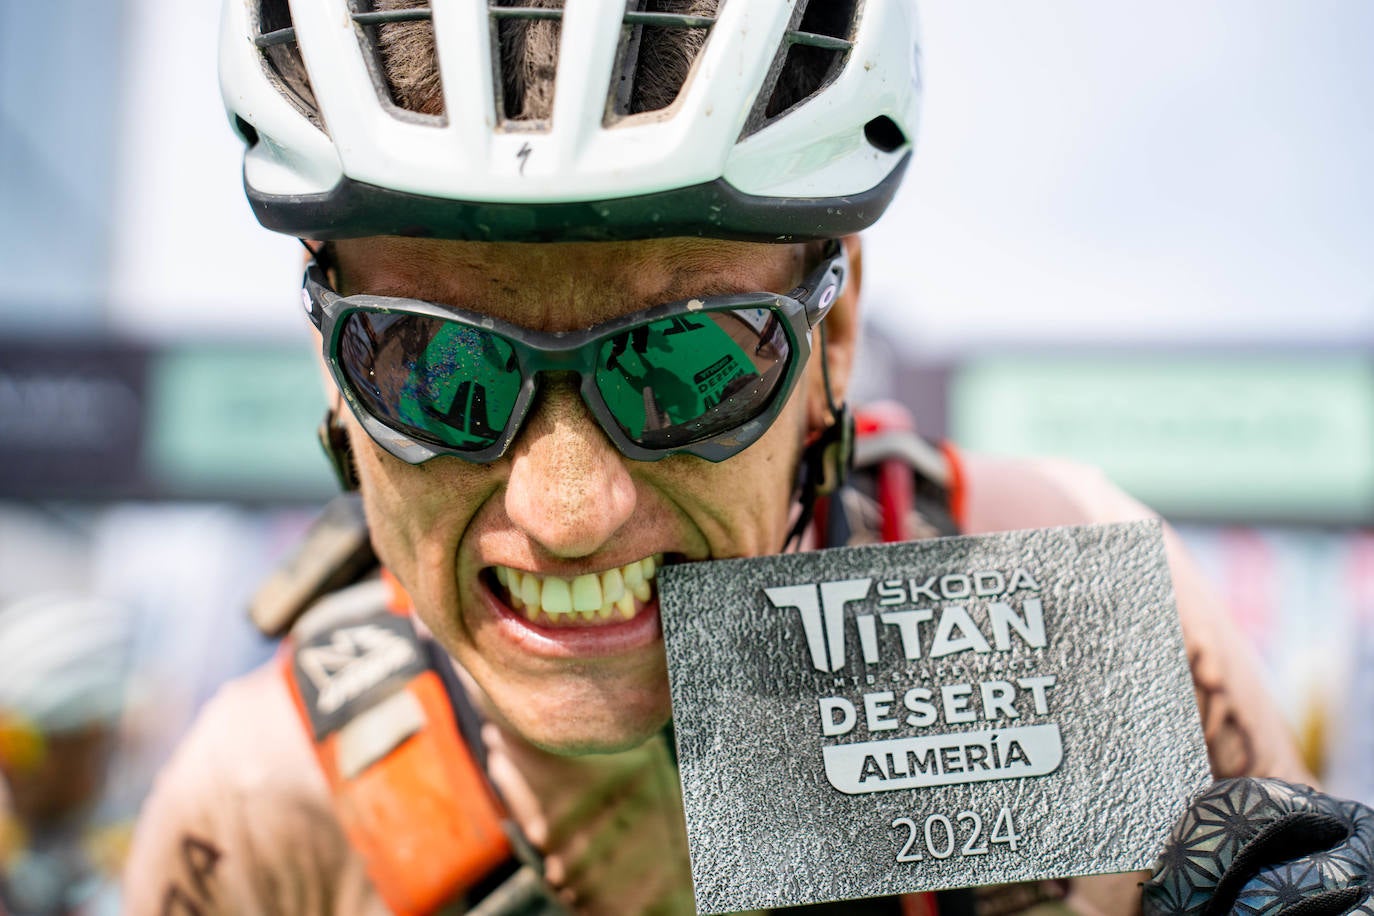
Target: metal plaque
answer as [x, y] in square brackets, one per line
[946, 713]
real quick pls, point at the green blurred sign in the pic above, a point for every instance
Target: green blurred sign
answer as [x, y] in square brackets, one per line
[1280, 437]
[237, 422]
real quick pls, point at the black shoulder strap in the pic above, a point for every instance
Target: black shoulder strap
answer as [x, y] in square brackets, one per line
[335, 552]
[350, 654]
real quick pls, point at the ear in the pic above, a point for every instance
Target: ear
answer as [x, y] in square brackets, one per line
[841, 329]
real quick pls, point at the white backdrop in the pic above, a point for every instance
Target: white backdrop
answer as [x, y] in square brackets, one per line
[1160, 171]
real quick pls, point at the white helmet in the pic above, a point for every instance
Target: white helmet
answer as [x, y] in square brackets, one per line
[64, 660]
[794, 119]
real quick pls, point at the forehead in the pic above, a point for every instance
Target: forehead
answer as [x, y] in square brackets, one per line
[566, 285]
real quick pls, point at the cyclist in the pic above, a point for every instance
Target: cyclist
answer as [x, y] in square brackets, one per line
[64, 660]
[586, 279]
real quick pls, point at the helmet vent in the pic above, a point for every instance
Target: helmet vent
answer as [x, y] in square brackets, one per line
[813, 52]
[247, 131]
[660, 44]
[397, 38]
[811, 61]
[525, 40]
[281, 58]
[884, 134]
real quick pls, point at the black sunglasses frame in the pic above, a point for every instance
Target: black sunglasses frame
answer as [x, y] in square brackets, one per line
[538, 352]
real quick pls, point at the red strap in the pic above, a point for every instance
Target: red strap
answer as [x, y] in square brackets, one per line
[920, 905]
[896, 490]
[896, 497]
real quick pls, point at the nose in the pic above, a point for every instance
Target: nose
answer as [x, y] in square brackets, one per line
[569, 489]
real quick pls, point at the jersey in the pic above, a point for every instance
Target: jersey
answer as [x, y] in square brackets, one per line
[240, 820]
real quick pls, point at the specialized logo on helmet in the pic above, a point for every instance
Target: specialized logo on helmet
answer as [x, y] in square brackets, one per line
[355, 660]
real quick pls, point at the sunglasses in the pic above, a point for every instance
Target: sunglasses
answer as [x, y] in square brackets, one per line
[703, 377]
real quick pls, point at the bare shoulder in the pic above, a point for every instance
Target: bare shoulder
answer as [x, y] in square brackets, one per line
[1003, 493]
[1246, 735]
[239, 820]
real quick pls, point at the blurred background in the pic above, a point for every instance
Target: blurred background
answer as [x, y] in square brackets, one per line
[1139, 235]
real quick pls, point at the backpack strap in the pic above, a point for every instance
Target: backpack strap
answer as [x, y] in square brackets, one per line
[918, 485]
[410, 793]
[335, 552]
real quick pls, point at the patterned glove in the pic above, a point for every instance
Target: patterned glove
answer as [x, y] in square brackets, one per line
[1252, 846]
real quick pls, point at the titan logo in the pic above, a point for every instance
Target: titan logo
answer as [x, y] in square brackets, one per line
[928, 618]
[822, 615]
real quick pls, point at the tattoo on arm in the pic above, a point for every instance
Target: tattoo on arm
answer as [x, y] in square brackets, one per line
[199, 858]
[1230, 745]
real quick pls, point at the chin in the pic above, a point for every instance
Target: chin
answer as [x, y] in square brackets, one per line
[578, 745]
[583, 726]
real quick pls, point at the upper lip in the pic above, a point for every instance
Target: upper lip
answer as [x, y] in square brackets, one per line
[572, 572]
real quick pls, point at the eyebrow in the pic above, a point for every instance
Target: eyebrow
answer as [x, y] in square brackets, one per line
[693, 273]
[692, 268]
[691, 285]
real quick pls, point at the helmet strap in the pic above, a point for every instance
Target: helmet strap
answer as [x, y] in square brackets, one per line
[826, 460]
[332, 434]
[337, 450]
[323, 255]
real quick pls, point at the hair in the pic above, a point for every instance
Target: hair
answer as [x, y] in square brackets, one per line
[529, 53]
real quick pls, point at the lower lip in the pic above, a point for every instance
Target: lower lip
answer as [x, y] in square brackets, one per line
[598, 640]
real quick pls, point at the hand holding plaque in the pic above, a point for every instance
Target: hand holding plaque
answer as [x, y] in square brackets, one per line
[1266, 846]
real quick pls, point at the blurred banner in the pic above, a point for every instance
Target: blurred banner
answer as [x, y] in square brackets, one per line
[1225, 437]
[1305, 599]
[1209, 436]
[111, 420]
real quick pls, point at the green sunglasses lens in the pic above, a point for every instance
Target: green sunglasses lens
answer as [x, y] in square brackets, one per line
[667, 384]
[684, 379]
[437, 381]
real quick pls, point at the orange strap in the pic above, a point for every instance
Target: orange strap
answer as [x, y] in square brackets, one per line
[408, 792]
[958, 492]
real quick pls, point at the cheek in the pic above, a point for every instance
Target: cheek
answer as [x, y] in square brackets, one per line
[817, 407]
[743, 505]
[416, 515]
[383, 489]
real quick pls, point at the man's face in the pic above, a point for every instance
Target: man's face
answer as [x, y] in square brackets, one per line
[465, 539]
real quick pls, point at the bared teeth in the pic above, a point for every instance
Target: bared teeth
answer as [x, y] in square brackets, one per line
[621, 592]
[529, 591]
[586, 593]
[635, 583]
[555, 596]
[612, 586]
